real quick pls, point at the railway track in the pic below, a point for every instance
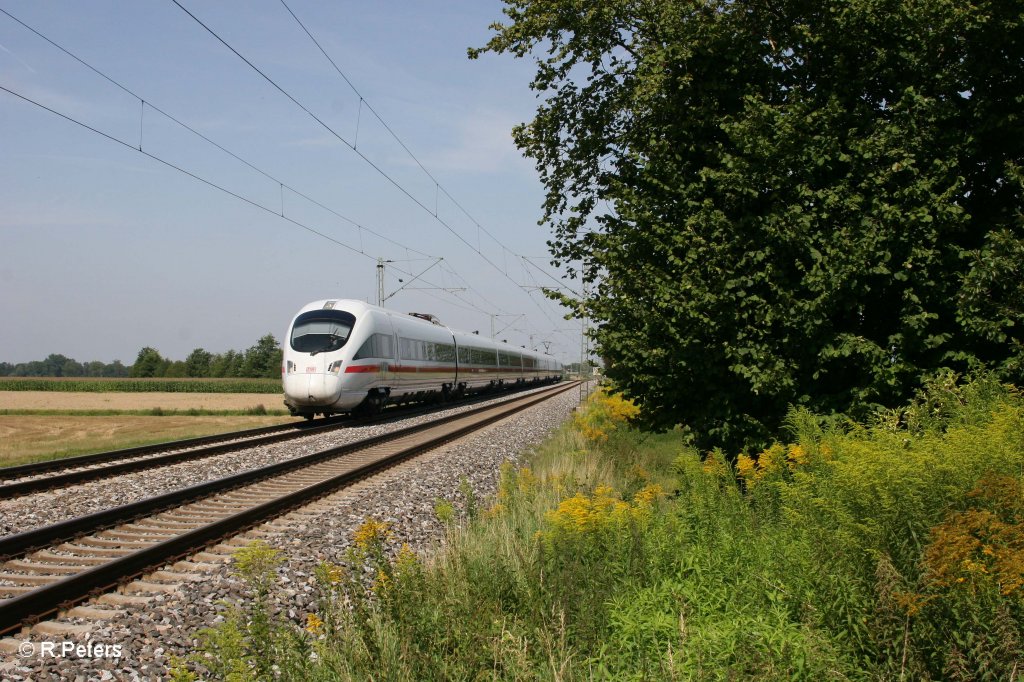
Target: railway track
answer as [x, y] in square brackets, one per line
[51, 568]
[52, 474]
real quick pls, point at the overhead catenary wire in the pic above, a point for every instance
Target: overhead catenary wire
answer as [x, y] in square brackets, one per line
[282, 185]
[203, 180]
[278, 211]
[194, 131]
[363, 156]
[439, 188]
[353, 147]
[179, 169]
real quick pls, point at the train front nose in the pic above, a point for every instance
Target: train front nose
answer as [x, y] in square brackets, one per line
[313, 388]
[322, 389]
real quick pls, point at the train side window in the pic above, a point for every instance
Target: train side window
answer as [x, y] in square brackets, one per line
[407, 347]
[446, 352]
[366, 350]
[385, 346]
[377, 346]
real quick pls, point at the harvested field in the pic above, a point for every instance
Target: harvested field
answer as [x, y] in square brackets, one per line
[25, 438]
[56, 400]
[30, 437]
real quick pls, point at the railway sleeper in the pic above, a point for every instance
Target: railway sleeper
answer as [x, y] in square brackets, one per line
[145, 586]
[30, 579]
[143, 530]
[114, 542]
[292, 486]
[134, 531]
[261, 533]
[189, 511]
[47, 568]
[189, 566]
[120, 599]
[252, 500]
[162, 576]
[159, 525]
[98, 551]
[94, 613]
[130, 539]
[48, 557]
[235, 542]
[282, 525]
[211, 509]
[55, 627]
[9, 591]
[10, 645]
[209, 556]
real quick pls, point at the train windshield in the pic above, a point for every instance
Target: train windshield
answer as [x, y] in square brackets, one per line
[321, 331]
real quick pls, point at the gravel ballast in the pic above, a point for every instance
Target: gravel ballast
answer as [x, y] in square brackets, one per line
[150, 636]
[41, 509]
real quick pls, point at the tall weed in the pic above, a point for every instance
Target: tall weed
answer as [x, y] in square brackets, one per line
[891, 550]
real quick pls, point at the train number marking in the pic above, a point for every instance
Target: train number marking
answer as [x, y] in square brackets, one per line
[311, 370]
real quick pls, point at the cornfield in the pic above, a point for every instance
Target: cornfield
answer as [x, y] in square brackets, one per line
[100, 385]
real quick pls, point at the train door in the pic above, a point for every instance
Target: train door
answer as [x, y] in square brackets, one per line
[393, 369]
[389, 374]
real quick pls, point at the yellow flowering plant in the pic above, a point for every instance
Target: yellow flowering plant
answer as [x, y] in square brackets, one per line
[603, 414]
[600, 516]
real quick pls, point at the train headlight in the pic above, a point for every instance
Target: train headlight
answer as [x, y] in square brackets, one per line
[335, 367]
[291, 367]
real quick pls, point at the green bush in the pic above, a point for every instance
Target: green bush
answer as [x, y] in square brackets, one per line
[893, 550]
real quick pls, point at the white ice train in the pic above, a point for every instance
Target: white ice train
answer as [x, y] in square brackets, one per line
[345, 355]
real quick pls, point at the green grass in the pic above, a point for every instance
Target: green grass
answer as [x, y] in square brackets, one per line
[30, 438]
[892, 550]
[99, 385]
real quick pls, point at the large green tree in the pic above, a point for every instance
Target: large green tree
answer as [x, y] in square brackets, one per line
[782, 202]
[197, 364]
[148, 363]
[263, 359]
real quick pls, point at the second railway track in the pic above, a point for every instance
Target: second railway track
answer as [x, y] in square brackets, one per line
[57, 473]
[55, 566]
[27, 479]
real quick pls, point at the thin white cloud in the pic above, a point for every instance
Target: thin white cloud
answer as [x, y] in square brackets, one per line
[483, 145]
[320, 141]
[43, 217]
[18, 59]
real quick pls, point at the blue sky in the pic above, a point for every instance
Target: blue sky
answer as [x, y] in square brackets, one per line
[104, 250]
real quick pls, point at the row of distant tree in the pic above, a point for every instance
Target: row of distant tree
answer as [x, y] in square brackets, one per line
[261, 360]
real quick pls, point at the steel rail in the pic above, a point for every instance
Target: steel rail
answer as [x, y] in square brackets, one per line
[186, 450]
[98, 457]
[63, 593]
[218, 444]
[18, 544]
[266, 435]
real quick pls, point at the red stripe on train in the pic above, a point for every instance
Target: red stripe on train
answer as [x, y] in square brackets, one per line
[361, 369]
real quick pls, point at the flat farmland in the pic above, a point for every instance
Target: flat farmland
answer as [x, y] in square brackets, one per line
[91, 401]
[37, 425]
